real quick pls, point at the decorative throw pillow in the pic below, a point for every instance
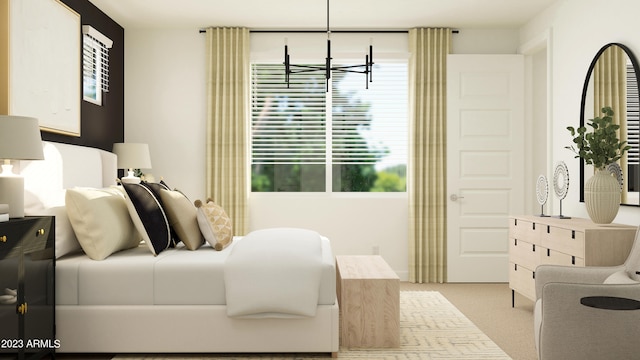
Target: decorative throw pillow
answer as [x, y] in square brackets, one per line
[214, 224]
[157, 188]
[101, 222]
[148, 217]
[182, 218]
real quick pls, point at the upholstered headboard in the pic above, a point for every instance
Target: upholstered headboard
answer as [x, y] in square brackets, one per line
[72, 165]
[64, 166]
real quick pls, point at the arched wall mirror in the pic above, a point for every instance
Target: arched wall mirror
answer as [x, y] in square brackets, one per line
[612, 80]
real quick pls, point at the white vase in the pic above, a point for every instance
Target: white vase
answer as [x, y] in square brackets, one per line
[602, 197]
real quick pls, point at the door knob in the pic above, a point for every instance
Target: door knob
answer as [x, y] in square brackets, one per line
[455, 197]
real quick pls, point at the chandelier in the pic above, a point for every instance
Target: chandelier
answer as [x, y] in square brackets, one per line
[365, 68]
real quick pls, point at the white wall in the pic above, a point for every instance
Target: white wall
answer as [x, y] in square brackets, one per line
[579, 28]
[165, 106]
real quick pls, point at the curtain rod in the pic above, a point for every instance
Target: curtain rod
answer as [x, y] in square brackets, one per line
[333, 31]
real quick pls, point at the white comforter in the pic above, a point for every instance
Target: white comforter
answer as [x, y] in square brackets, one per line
[274, 273]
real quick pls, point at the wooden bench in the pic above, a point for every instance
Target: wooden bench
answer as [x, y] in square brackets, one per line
[369, 298]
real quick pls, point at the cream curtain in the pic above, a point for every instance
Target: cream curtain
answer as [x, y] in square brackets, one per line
[610, 89]
[227, 111]
[427, 160]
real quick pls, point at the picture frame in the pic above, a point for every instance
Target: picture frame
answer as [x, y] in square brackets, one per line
[45, 58]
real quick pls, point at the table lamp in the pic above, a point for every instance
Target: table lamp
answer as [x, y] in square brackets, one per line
[132, 156]
[20, 139]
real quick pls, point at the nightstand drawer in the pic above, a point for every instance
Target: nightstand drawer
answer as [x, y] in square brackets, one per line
[24, 235]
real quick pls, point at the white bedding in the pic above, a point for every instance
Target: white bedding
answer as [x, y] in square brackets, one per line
[274, 273]
[175, 277]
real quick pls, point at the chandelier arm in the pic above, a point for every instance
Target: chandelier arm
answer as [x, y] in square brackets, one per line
[368, 63]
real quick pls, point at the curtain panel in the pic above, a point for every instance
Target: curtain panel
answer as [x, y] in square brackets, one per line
[228, 71]
[429, 48]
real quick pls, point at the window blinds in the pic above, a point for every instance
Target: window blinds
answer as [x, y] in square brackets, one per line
[368, 123]
[95, 54]
[290, 125]
[287, 125]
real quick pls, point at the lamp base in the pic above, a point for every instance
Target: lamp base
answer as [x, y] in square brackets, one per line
[12, 193]
[130, 178]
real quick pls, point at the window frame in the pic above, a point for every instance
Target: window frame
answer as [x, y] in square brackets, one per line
[265, 49]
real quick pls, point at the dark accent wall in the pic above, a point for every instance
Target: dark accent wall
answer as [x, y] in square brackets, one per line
[100, 126]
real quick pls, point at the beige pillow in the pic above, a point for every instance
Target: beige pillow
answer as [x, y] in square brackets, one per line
[214, 224]
[182, 218]
[101, 221]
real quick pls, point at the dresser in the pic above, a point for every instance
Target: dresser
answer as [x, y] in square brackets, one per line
[535, 240]
[27, 289]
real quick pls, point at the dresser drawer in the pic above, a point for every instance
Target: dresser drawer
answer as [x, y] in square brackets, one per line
[555, 257]
[522, 280]
[524, 253]
[563, 240]
[525, 230]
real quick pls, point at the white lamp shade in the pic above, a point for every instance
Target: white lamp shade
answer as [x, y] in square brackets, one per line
[132, 155]
[20, 138]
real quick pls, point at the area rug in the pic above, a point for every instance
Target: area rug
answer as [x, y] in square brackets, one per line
[430, 328]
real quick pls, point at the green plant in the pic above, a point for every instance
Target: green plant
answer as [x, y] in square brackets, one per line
[601, 146]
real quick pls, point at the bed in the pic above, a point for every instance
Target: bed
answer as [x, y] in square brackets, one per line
[177, 301]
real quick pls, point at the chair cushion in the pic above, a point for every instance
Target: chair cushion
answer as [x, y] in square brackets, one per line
[620, 277]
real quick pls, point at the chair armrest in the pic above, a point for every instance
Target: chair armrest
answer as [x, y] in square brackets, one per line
[571, 330]
[572, 274]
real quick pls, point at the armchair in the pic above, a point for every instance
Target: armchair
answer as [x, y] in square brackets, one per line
[589, 312]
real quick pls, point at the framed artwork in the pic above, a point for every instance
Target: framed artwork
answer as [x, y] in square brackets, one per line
[45, 83]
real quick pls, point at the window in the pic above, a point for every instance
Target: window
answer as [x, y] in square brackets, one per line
[349, 139]
[95, 64]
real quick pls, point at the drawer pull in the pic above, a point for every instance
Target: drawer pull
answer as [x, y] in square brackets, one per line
[515, 222]
[39, 232]
[21, 309]
[548, 229]
[534, 247]
[533, 274]
[3, 238]
[533, 225]
[548, 252]
[573, 260]
[573, 234]
[515, 242]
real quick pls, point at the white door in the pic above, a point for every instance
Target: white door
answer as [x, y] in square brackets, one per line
[485, 163]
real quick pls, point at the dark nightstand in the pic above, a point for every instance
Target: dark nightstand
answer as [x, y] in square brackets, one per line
[27, 269]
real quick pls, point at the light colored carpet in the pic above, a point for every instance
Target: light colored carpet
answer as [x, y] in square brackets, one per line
[430, 328]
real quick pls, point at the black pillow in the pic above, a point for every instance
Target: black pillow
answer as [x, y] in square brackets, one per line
[156, 187]
[148, 216]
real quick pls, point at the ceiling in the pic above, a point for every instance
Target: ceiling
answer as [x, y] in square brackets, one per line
[312, 14]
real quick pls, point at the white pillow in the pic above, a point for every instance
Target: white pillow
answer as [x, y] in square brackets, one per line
[101, 221]
[66, 240]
